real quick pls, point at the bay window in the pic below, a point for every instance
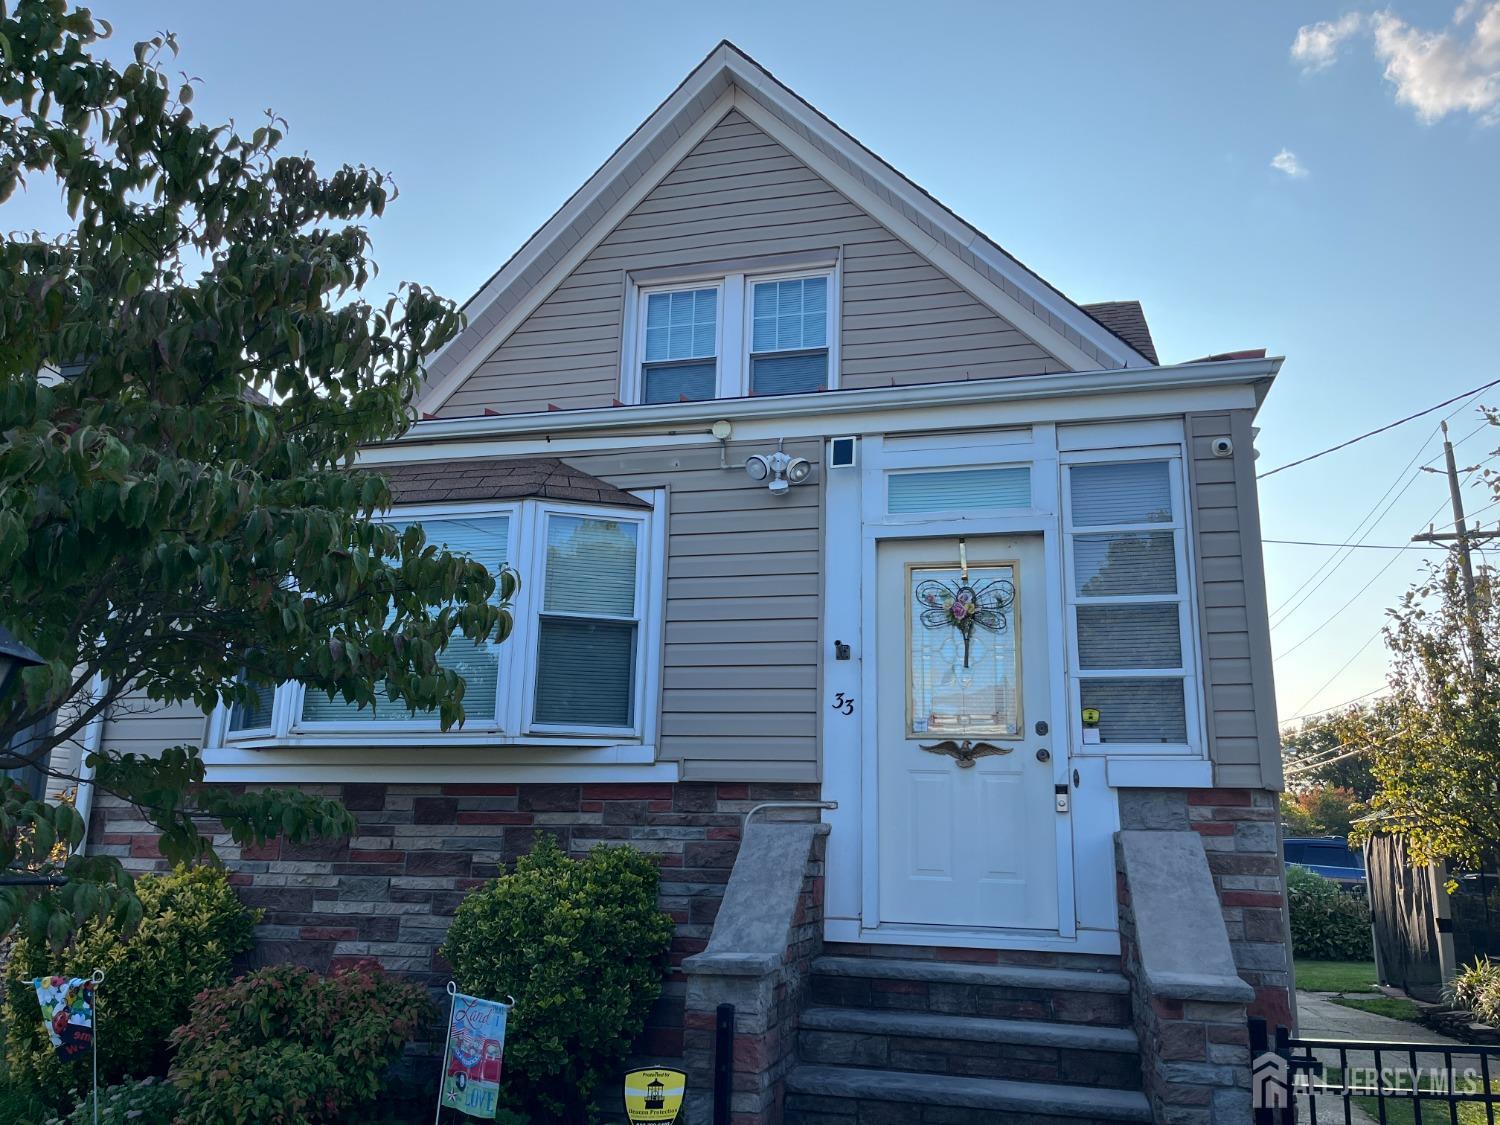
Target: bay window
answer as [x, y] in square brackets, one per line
[572, 668]
[1127, 592]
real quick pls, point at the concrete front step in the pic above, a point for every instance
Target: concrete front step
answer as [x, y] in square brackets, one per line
[838, 1095]
[1015, 992]
[969, 1046]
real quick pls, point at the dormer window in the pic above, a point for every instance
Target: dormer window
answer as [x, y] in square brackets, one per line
[730, 334]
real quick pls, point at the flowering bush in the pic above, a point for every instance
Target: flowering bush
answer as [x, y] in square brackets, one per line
[285, 1045]
[147, 1102]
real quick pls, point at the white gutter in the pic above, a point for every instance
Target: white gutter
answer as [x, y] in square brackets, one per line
[1063, 384]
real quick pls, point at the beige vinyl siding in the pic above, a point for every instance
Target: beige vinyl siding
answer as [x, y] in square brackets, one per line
[738, 195]
[739, 697]
[136, 725]
[1239, 694]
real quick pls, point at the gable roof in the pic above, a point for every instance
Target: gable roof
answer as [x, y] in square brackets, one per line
[511, 478]
[729, 79]
[1127, 320]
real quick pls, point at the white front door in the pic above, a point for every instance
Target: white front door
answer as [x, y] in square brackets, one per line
[967, 814]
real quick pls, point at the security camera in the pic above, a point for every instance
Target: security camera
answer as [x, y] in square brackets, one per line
[1222, 447]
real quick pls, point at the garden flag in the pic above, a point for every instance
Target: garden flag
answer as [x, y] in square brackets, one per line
[476, 1045]
[68, 1011]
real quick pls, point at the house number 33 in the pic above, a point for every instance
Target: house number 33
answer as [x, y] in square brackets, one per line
[843, 704]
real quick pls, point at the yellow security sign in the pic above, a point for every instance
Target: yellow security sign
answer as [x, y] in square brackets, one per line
[654, 1095]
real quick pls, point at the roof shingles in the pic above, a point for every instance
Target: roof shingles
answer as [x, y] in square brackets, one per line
[513, 478]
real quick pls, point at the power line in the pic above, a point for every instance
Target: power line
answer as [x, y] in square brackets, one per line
[1351, 546]
[1364, 528]
[1344, 667]
[1336, 560]
[1380, 430]
[1329, 619]
[1334, 707]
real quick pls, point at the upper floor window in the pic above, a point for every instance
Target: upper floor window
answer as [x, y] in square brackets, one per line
[731, 335]
[680, 359]
[574, 665]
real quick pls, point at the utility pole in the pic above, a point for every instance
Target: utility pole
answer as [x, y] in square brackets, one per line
[1461, 537]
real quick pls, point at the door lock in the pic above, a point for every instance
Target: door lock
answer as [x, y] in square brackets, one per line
[1044, 755]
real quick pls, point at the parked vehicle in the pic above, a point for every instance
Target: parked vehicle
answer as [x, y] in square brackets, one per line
[1329, 856]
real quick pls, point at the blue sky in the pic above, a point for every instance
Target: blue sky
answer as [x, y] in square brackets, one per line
[1121, 150]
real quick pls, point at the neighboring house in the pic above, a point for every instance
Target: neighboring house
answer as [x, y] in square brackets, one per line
[1001, 600]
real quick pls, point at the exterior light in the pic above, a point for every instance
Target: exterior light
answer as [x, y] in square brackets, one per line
[780, 470]
[758, 468]
[14, 657]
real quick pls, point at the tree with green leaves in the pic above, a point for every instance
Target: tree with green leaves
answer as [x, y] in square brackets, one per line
[187, 370]
[1319, 750]
[1438, 767]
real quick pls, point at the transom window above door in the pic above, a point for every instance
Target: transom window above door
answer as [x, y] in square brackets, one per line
[731, 335]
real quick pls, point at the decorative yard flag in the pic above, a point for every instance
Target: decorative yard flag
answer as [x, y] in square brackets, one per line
[68, 1011]
[476, 1045]
[654, 1096]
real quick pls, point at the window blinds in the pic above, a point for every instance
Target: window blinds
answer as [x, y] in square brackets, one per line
[1127, 492]
[1127, 604]
[585, 668]
[953, 490]
[484, 539]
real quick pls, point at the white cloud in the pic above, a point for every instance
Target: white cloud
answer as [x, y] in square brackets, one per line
[1456, 70]
[1286, 161]
[1317, 44]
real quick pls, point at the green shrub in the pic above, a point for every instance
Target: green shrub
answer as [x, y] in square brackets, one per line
[581, 945]
[1327, 924]
[150, 1101]
[285, 1045]
[192, 927]
[1477, 988]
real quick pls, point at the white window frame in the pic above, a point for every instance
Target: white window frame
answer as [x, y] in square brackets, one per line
[735, 313]
[720, 287]
[1184, 599]
[514, 704]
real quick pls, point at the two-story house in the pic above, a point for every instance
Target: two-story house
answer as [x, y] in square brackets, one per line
[822, 498]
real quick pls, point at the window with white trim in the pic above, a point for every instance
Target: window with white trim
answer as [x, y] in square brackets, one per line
[572, 667]
[732, 335]
[680, 345]
[1131, 645]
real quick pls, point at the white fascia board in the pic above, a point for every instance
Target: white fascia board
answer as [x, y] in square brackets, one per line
[676, 417]
[780, 106]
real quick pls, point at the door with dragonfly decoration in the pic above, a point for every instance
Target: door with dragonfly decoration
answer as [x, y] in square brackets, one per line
[967, 811]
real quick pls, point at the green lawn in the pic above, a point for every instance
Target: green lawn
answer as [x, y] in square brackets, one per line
[1335, 976]
[1396, 1008]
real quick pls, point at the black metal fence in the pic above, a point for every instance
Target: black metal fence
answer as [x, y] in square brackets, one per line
[1332, 1080]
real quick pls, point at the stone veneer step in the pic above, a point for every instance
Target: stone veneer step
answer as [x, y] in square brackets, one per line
[836, 1094]
[938, 1025]
[959, 972]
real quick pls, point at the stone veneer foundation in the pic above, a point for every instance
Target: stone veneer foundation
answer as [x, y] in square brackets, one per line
[389, 891]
